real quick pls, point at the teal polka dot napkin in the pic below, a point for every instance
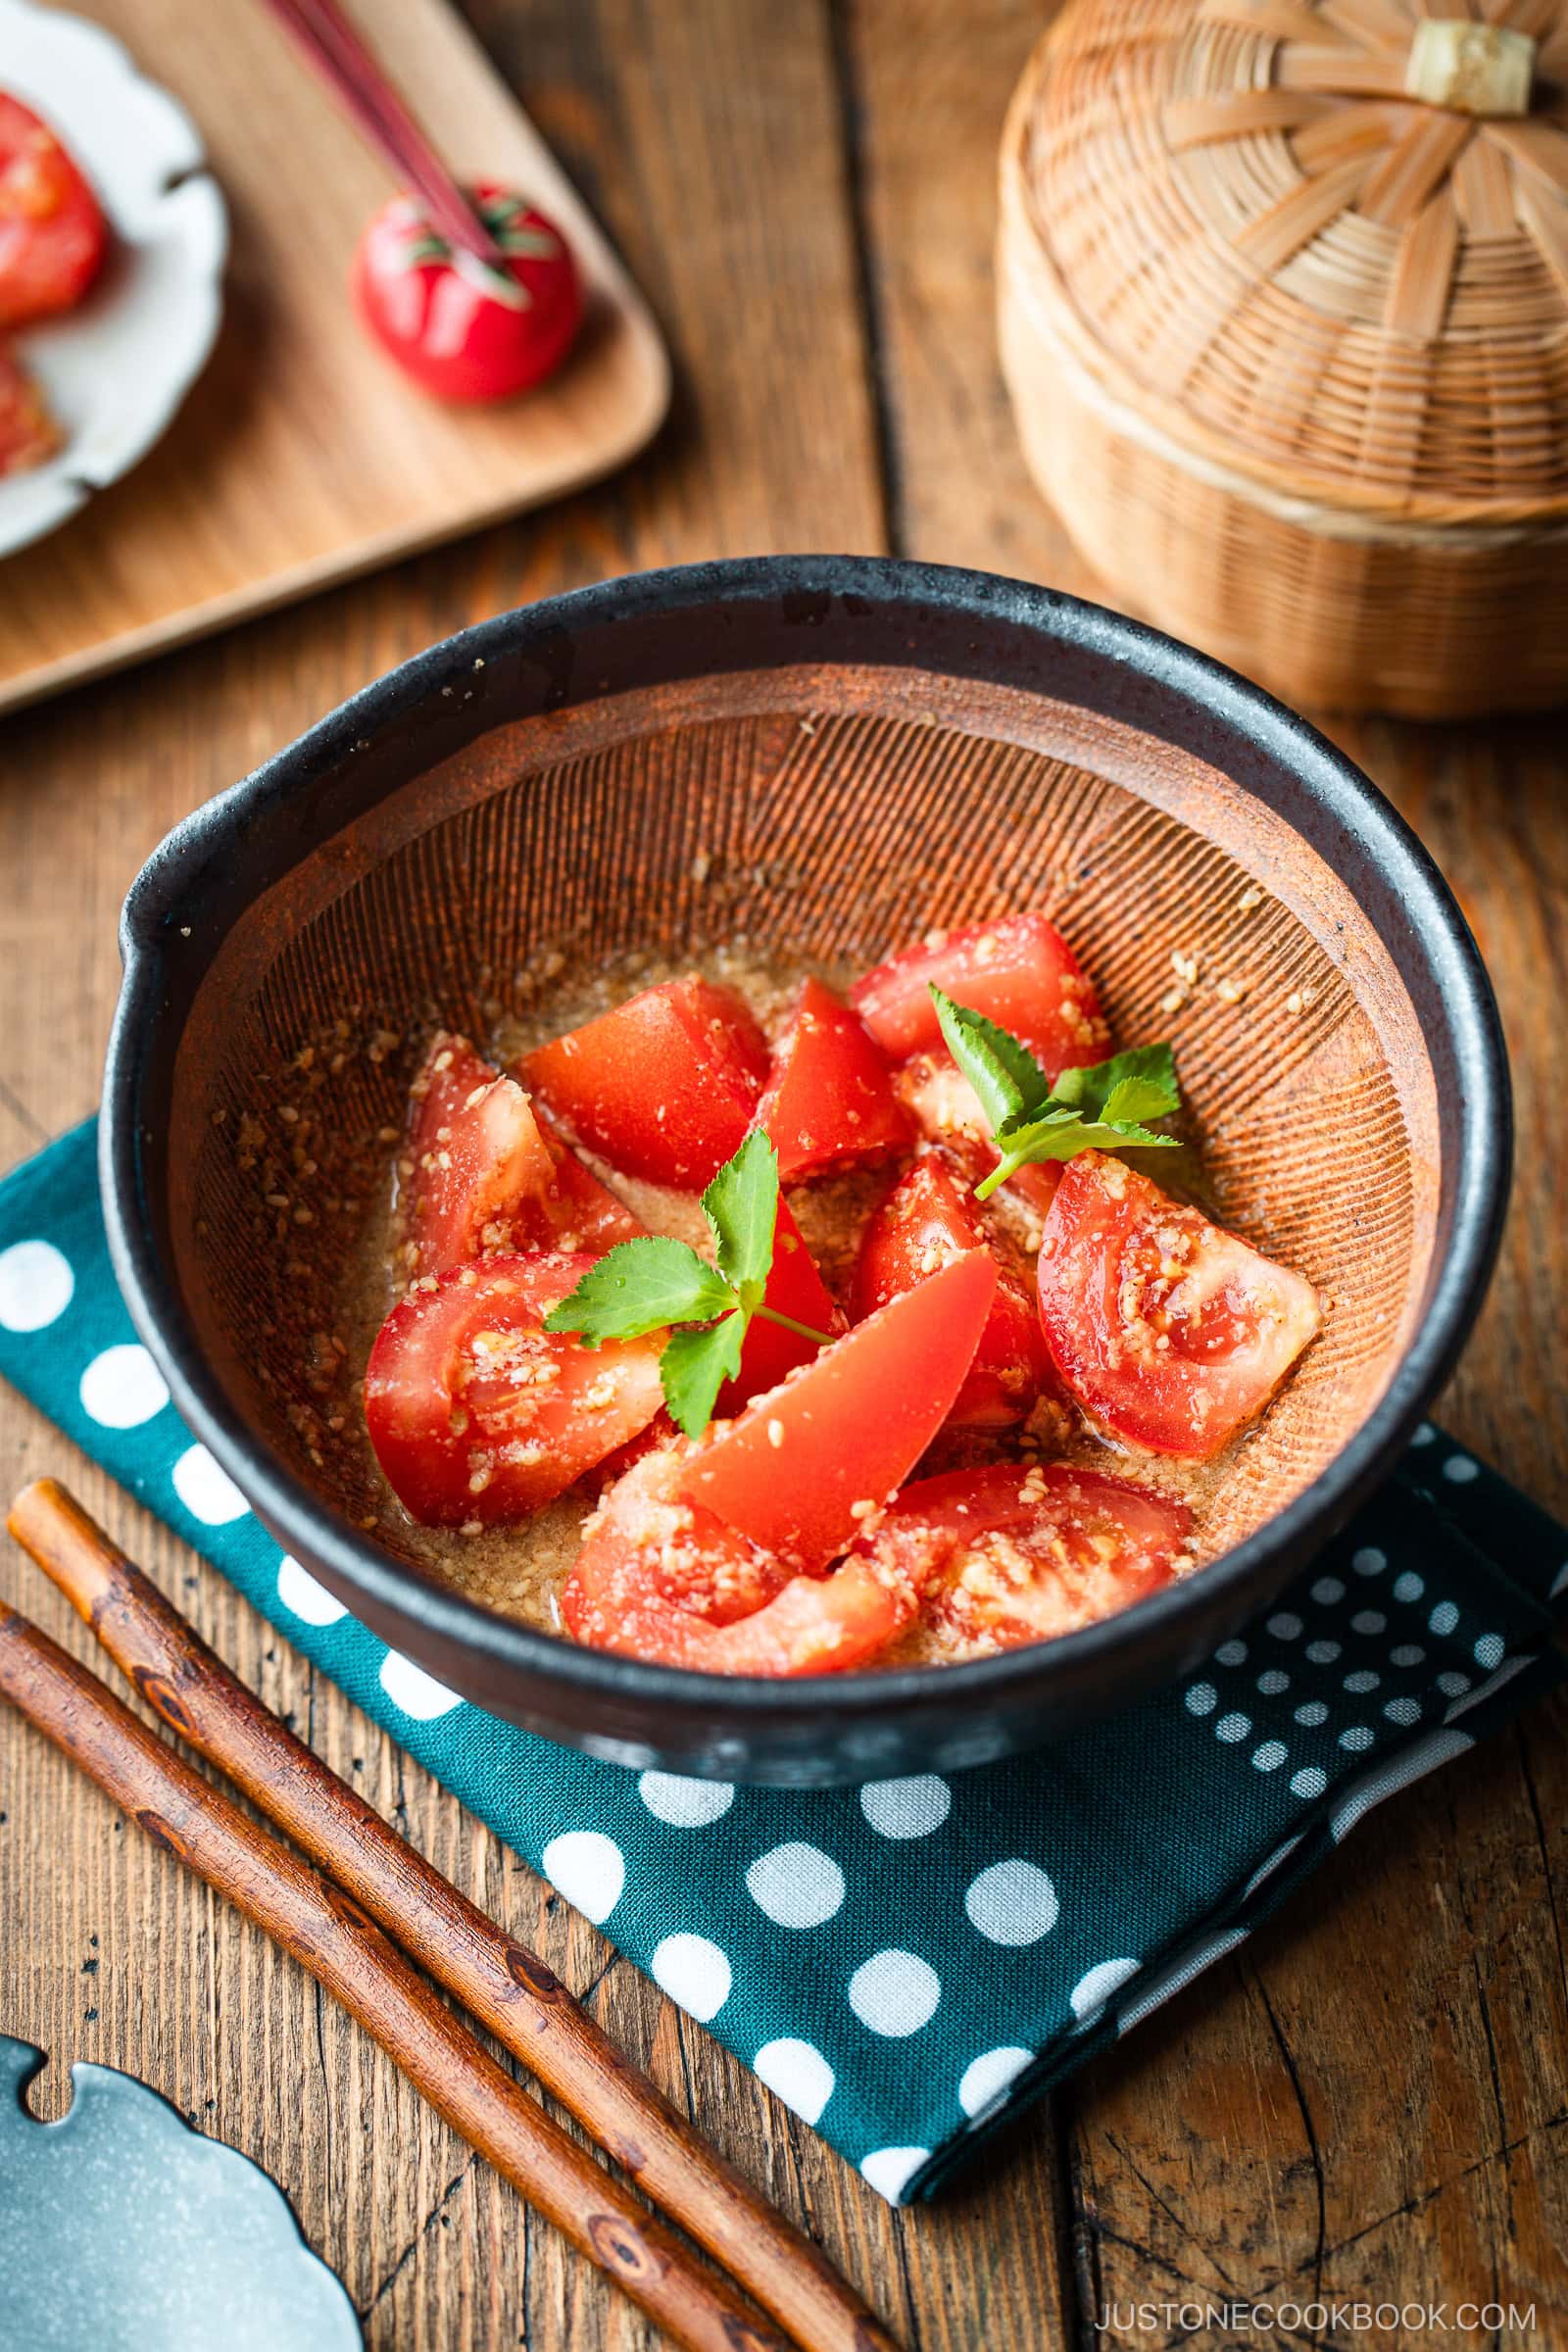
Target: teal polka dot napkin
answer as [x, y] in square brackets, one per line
[906, 1963]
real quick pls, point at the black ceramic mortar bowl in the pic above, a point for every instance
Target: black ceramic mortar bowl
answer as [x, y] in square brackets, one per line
[828, 754]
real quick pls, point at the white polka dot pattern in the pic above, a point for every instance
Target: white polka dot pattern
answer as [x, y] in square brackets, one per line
[304, 1598]
[694, 1973]
[890, 2170]
[36, 1285]
[1095, 1987]
[798, 1885]
[416, 1692]
[590, 1870]
[985, 2079]
[206, 1489]
[685, 1804]
[122, 1387]
[1013, 1902]
[909, 1808]
[895, 1993]
[797, 2073]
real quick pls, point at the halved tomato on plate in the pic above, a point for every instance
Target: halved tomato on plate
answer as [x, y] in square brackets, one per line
[927, 1220]
[664, 1087]
[52, 234]
[829, 1100]
[663, 1579]
[28, 434]
[477, 1413]
[1018, 971]
[1169, 1331]
[484, 1175]
[1023, 1553]
[809, 1462]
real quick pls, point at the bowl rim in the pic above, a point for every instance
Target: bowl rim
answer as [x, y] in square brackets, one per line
[1480, 1124]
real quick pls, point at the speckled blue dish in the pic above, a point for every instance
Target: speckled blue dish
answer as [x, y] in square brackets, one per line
[121, 2230]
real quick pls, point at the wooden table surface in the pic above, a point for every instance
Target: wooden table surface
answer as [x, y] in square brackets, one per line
[1370, 2101]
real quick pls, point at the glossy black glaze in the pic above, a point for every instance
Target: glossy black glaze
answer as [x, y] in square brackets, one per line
[751, 614]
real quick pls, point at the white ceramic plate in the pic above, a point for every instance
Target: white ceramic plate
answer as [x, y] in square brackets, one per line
[114, 369]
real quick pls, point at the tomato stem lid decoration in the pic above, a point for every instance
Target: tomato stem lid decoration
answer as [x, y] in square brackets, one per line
[640, 1287]
[1100, 1108]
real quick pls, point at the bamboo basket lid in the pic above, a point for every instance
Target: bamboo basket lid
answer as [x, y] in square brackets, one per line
[1318, 246]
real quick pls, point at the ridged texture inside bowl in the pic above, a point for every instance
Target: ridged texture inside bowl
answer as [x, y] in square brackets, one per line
[829, 814]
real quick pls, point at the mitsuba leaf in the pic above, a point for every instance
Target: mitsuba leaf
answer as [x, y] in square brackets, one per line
[694, 1366]
[638, 1287]
[741, 1206]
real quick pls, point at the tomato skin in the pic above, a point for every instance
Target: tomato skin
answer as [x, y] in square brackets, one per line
[805, 1463]
[795, 1288]
[829, 1100]
[661, 1579]
[437, 312]
[476, 1413]
[1018, 1552]
[926, 1220]
[1122, 1268]
[484, 1175]
[1018, 971]
[52, 234]
[663, 1087]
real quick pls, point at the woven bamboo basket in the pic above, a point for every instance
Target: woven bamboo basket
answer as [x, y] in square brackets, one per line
[1283, 291]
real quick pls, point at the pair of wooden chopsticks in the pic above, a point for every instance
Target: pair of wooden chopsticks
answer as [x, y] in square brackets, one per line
[350, 70]
[331, 1919]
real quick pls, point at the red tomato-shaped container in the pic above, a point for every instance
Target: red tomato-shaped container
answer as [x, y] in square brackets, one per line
[467, 332]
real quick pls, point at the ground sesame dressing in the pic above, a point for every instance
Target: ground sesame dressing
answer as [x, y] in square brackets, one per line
[519, 1570]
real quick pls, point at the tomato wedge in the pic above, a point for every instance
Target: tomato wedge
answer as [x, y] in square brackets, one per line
[483, 1174]
[664, 1087]
[52, 234]
[829, 1100]
[1018, 970]
[477, 1413]
[795, 1288]
[926, 1221]
[661, 1579]
[1171, 1332]
[946, 1109]
[807, 1463]
[1025, 1552]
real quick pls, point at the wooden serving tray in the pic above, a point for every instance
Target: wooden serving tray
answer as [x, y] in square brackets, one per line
[302, 456]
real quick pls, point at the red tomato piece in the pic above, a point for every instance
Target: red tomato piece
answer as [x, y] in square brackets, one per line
[664, 1087]
[52, 234]
[1018, 971]
[807, 1463]
[477, 1413]
[485, 1175]
[944, 1107]
[1025, 1552]
[661, 1579]
[27, 432]
[829, 1098]
[925, 1222]
[1168, 1330]
[461, 329]
[795, 1288]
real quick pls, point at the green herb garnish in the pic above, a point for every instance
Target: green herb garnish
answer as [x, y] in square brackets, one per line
[639, 1287]
[1100, 1108]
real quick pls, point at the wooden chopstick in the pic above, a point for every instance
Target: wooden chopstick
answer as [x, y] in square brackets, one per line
[333, 46]
[495, 1978]
[342, 1947]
